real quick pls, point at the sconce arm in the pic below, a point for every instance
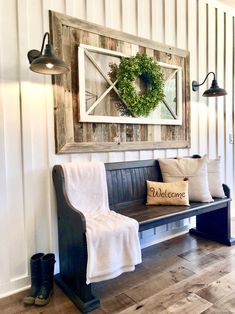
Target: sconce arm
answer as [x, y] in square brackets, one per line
[206, 78]
[34, 54]
[43, 41]
[195, 84]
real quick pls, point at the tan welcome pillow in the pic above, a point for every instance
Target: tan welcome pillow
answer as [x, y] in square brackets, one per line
[194, 169]
[174, 193]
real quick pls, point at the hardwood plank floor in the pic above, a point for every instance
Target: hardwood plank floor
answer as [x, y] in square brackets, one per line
[183, 275]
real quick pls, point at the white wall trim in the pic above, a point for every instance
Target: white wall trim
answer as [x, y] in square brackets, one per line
[14, 286]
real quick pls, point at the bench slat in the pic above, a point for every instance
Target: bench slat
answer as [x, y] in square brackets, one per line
[126, 181]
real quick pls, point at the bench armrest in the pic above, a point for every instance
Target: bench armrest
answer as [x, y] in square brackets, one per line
[226, 190]
[72, 244]
[63, 204]
[71, 235]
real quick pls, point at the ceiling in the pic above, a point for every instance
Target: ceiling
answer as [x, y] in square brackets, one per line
[230, 3]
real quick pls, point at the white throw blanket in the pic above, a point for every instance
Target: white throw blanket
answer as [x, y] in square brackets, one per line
[112, 239]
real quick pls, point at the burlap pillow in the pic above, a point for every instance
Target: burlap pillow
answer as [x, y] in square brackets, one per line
[160, 193]
[195, 170]
[214, 178]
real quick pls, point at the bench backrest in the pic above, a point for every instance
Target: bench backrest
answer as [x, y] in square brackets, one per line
[126, 181]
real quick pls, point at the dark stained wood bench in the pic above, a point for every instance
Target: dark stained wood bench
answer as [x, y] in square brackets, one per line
[127, 195]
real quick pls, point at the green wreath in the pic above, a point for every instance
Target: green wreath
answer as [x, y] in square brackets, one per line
[150, 73]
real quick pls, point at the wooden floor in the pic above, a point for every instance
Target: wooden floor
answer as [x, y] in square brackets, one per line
[182, 275]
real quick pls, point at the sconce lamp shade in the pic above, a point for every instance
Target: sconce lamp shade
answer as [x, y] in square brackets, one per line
[46, 63]
[213, 91]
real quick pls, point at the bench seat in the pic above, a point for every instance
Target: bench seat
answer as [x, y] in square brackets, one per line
[149, 216]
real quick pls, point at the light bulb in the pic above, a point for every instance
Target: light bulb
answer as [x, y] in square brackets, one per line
[49, 65]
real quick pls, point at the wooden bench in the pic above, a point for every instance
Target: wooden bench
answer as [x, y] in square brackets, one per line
[127, 195]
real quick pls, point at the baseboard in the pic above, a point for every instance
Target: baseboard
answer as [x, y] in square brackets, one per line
[14, 286]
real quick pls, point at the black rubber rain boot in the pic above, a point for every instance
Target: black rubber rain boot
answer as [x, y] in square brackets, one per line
[47, 272]
[35, 268]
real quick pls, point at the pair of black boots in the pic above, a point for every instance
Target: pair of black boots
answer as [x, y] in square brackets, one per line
[42, 274]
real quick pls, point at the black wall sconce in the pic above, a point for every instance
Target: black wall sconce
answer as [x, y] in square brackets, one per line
[213, 91]
[47, 62]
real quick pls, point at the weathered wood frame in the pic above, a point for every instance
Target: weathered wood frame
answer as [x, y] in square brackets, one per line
[66, 93]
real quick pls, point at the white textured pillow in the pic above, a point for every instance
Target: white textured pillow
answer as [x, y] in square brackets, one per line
[214, 178]
[194, 169]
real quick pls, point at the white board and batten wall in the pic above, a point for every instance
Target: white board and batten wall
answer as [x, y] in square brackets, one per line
[27, 150]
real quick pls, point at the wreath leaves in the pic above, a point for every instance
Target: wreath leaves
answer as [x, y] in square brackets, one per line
[150, 72]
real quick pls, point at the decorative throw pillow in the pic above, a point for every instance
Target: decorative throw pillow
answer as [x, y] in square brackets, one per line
[174, 193]
[214, 178]
[195, 170]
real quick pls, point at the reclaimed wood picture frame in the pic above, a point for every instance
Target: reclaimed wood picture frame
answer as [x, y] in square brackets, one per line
[76, 130]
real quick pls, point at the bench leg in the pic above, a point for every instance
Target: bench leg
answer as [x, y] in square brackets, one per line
[215, 225]
[85, 301]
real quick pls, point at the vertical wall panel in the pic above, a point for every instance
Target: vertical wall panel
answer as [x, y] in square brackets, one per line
[5, 252]
[146, 154]
[113, 14]
[186, 12]
[95, 11]
[116, 156]
[129, 20]
[229, 176]
[220, 77]
[170, 22]
[186, 27]
[202, 61]
[211, 57]
[76, 8]
[132, 155]
[58, 5]
[157, 20]
[26, 96]
[113, 18]
[158, 34]
[182, 31]
[143, 18]
[233, 115]
[49, 199]
[27, 148]
[99, 157]
[160, 153]
[144, 30]
[192, 17]
[129, 25]
[170, 37]
[15, 208]
[39, 137]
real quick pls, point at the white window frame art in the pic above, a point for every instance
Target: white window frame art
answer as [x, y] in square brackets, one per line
[84, 114]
